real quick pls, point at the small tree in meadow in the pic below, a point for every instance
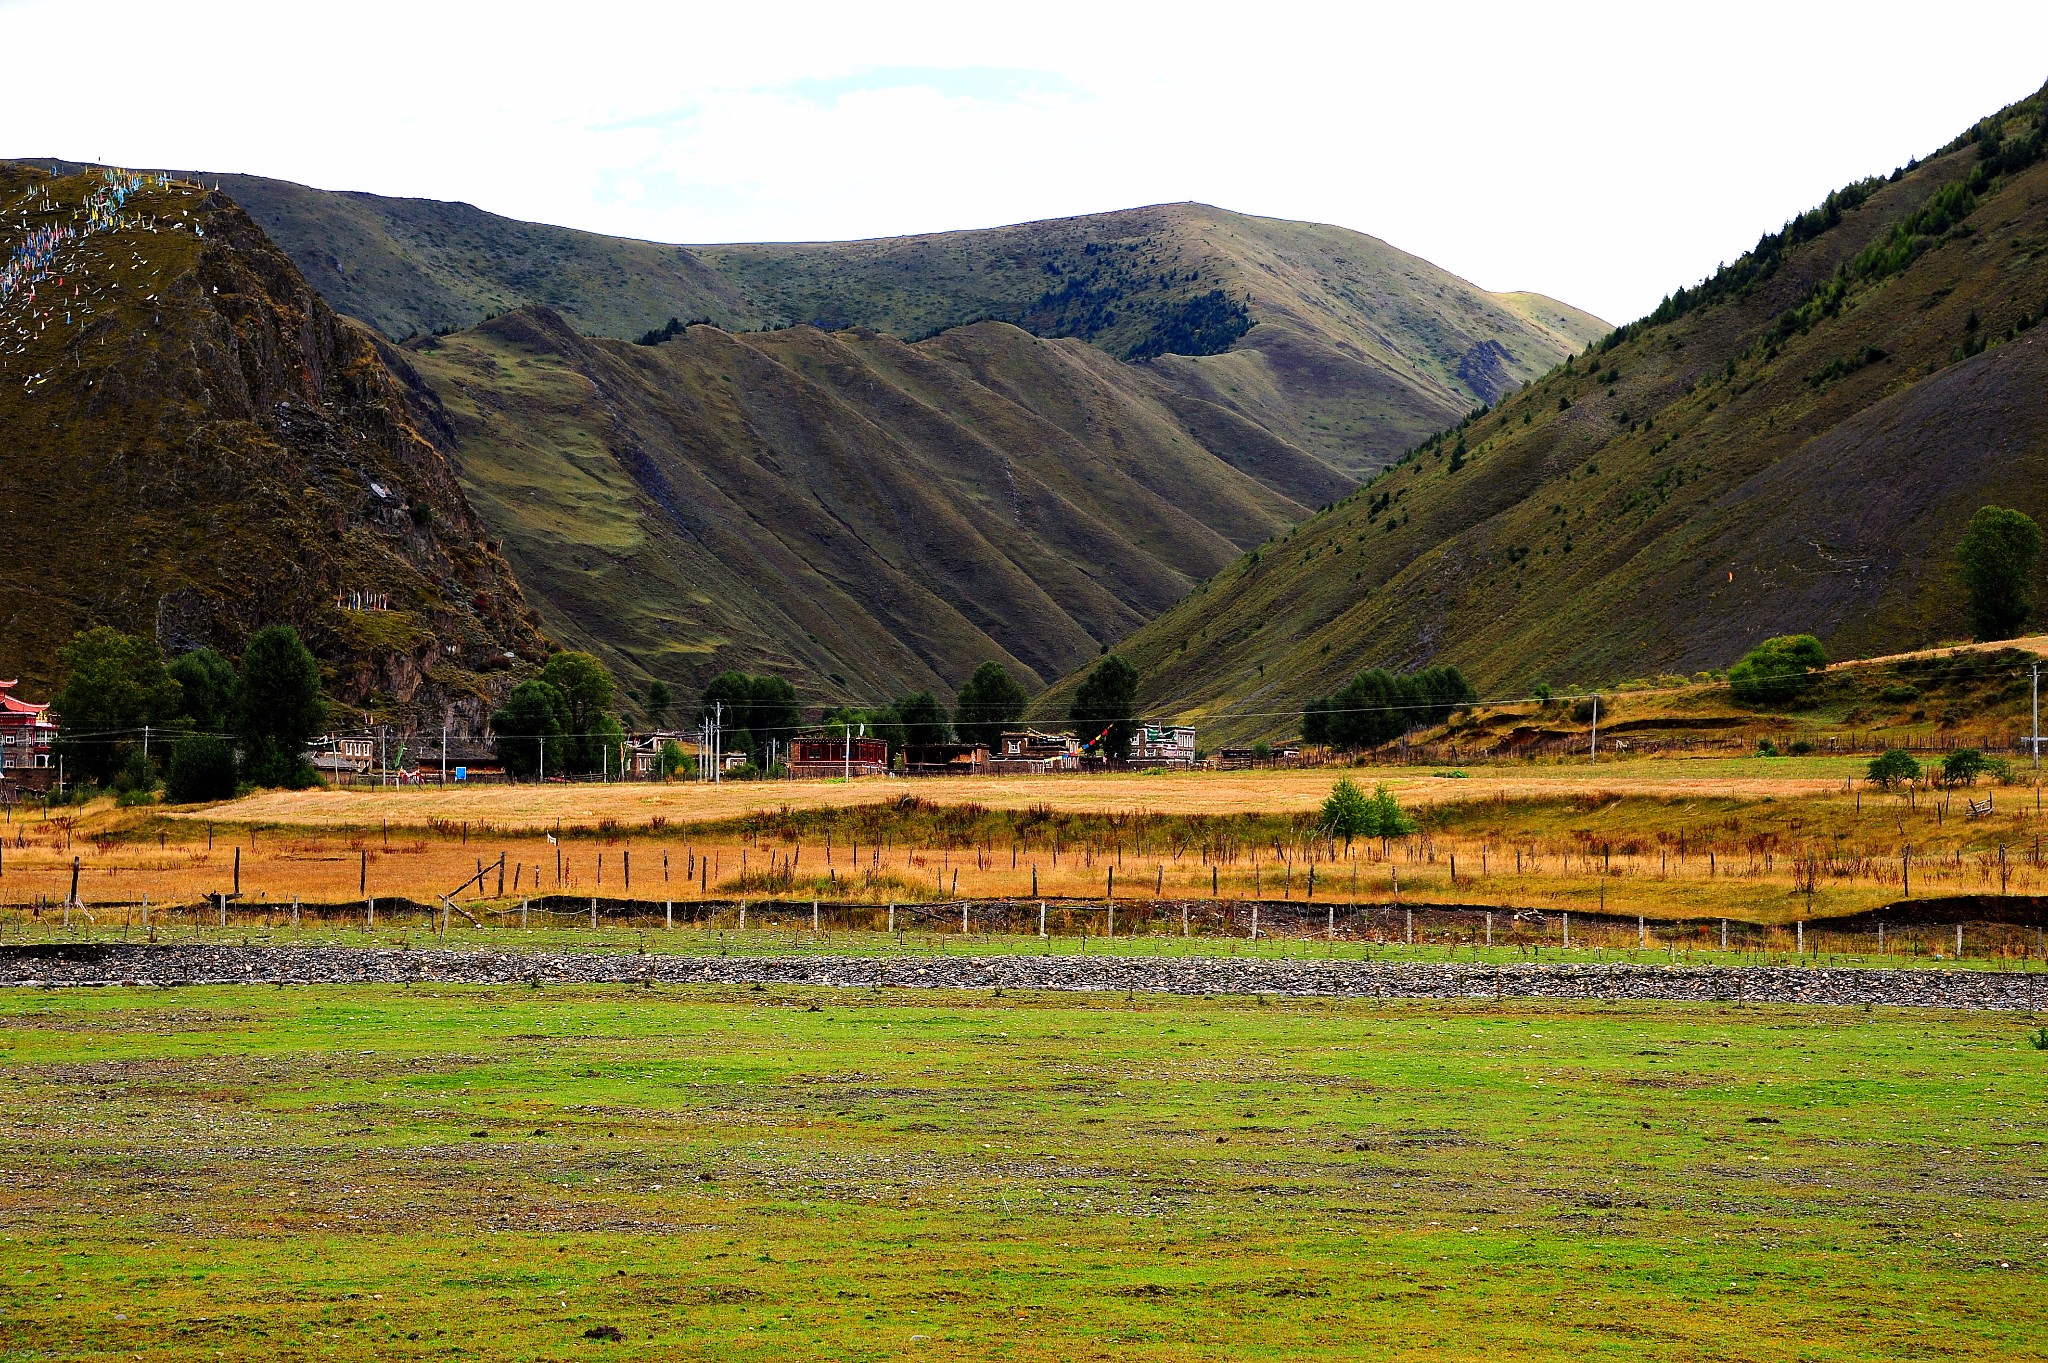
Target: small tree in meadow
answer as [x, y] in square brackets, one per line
[1962, 767]
[1349, 812]
[1892, 768]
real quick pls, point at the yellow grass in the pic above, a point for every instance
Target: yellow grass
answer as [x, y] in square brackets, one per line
[533, 807]
[1664, 838]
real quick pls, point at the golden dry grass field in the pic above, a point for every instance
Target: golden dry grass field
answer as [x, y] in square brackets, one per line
[1770, 841]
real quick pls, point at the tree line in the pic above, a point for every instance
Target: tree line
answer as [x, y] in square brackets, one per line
[197, 725]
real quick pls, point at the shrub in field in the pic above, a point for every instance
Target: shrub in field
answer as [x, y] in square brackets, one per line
[202, 768]
[1777, 670]
[1893, 768]
[1899, 693]
[1962, 767]
[1389, 819]
[1349, 812]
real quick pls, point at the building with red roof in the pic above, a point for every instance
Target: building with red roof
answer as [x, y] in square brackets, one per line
[26, 735]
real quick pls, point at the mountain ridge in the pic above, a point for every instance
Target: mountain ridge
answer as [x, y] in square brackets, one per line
[1361, 354]
[1791, 447]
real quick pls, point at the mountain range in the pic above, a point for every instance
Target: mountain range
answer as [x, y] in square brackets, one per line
[871, 466]
[1253, 456]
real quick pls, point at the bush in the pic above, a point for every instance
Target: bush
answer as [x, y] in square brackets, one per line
[1899, 693]
[1348, 813]
[1962, 767]
[1777, 670]
[1766, 748]
[202, 769]
[1800, 748]
[1893, 768]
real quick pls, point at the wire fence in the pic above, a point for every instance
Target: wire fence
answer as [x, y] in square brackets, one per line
[2000, 933]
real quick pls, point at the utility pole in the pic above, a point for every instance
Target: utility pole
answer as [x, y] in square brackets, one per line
[1594, 752]
[543, 759]
[849, 751]
[2037, 721]
[718, 743]
[444, 754]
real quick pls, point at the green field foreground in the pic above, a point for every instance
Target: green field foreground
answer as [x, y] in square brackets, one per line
[777, 1174]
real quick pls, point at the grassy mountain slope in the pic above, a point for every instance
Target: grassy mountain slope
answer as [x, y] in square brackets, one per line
[1355, 350]
[1795, 446]
[194, 446]
[862, 514]
[410, 266]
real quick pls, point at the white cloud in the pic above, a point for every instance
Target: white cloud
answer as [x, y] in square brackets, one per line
[1600, 152]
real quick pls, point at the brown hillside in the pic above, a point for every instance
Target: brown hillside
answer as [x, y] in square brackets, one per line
[865, 515]
[195, 446]
[1795, 447]
[1355, 350]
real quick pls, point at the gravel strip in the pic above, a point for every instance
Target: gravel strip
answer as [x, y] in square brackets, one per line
[70, 966]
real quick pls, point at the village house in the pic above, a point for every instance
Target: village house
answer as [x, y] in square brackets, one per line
[640, 759]
[343, 755]
[1162, 745]
[1031, 752]
[827, 756]
[27, 737]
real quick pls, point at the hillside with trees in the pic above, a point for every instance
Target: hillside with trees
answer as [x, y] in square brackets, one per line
[196, 447]
[1795, 446]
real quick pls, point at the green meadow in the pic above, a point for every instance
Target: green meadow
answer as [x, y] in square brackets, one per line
[804, 1173]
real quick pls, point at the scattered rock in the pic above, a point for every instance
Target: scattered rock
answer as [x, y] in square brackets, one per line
[98, 964]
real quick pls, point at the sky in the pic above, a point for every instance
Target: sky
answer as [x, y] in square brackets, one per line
[1600, 153]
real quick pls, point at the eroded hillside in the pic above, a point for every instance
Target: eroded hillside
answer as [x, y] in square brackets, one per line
[865, 515]
[195, 446]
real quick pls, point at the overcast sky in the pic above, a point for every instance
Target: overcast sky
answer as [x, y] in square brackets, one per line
[1601, 153]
